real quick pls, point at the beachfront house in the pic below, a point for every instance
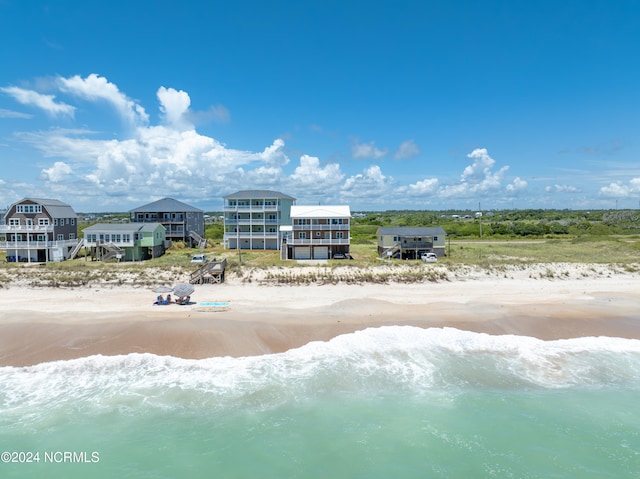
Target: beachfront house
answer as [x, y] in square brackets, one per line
[317, 232]
[38, 230]
[125, 241]
[252, 218]
[182, 222]
[410, 242]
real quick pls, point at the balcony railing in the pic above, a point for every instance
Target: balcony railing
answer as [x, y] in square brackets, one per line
[317, 241]
[26, 228]
[321, 227]
[247, 221]
[249, 234]
[245, 208]
[36, 244]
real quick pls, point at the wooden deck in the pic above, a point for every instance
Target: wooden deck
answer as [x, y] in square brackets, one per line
[209, 273]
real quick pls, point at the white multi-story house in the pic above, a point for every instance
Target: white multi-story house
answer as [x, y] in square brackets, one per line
[37, 230]
[252, 218]
[318, 232]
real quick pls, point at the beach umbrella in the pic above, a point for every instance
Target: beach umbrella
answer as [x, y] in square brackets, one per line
[162, 289]
[183, 289]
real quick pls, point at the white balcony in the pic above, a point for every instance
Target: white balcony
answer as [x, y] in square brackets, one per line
[321, 227]
[247, 208]
[317, 241]
[26, 229]
[36, 244]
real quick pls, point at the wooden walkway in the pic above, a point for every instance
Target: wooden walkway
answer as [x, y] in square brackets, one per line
[210, 273]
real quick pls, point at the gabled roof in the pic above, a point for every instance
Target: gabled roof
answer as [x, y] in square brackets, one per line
[321, 211]
[123, 227]
[412, 231]
[257, 194]
[55, 208]
[166, 205]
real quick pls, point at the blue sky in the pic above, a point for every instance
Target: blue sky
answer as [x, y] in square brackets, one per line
[376, 104]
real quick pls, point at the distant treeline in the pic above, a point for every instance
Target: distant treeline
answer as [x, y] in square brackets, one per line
[503, 223]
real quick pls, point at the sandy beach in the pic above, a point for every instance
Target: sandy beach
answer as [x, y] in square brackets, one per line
[47, 324]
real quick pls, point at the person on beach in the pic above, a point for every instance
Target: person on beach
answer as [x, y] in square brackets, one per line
[168, 300]
[159, 300]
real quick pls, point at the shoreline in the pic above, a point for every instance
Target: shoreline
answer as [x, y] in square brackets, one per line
[49, 324]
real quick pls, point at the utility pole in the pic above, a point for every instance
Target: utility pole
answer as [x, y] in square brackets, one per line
[480, 218]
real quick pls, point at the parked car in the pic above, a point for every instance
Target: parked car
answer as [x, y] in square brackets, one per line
[429, 257]
[199, 258]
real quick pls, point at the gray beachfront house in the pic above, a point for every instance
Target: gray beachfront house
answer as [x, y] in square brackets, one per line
[182, 222]
[410, 242]
[39, 230]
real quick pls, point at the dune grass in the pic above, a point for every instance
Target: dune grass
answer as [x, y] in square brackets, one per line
[622, 252]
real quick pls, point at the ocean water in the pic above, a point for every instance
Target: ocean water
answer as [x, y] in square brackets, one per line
[391, 402]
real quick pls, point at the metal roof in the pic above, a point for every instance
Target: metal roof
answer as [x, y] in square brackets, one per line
[123, 227]
[321, 211]
[56, 208]
[166, 205]
[257, 194]
[412, 231]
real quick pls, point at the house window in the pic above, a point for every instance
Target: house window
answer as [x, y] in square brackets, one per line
[43, 221]
[60, 237]
[126, 238]
[72, 236]
[318, 234]
[14, 222]
[73, 221]
[303, 221]
[302, 235]
[435, 238]
[339, 235]
[41, 238]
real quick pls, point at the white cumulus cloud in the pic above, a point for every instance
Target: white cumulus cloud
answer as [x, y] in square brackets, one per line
[621, 190]
[517, 185]
[372, 185]
[477, 178]
[310, 177]
[58, 172]
[174, 106]
[95, 87]
[426, 187]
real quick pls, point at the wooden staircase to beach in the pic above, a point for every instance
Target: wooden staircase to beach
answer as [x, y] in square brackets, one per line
[389, 252]
[210, 272]
[202, 242]
[76, 249]
[109, 251]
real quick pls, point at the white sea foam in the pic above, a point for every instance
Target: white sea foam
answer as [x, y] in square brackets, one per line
[378, 361]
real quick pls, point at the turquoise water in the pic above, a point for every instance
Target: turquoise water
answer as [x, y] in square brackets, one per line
[392, 402]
